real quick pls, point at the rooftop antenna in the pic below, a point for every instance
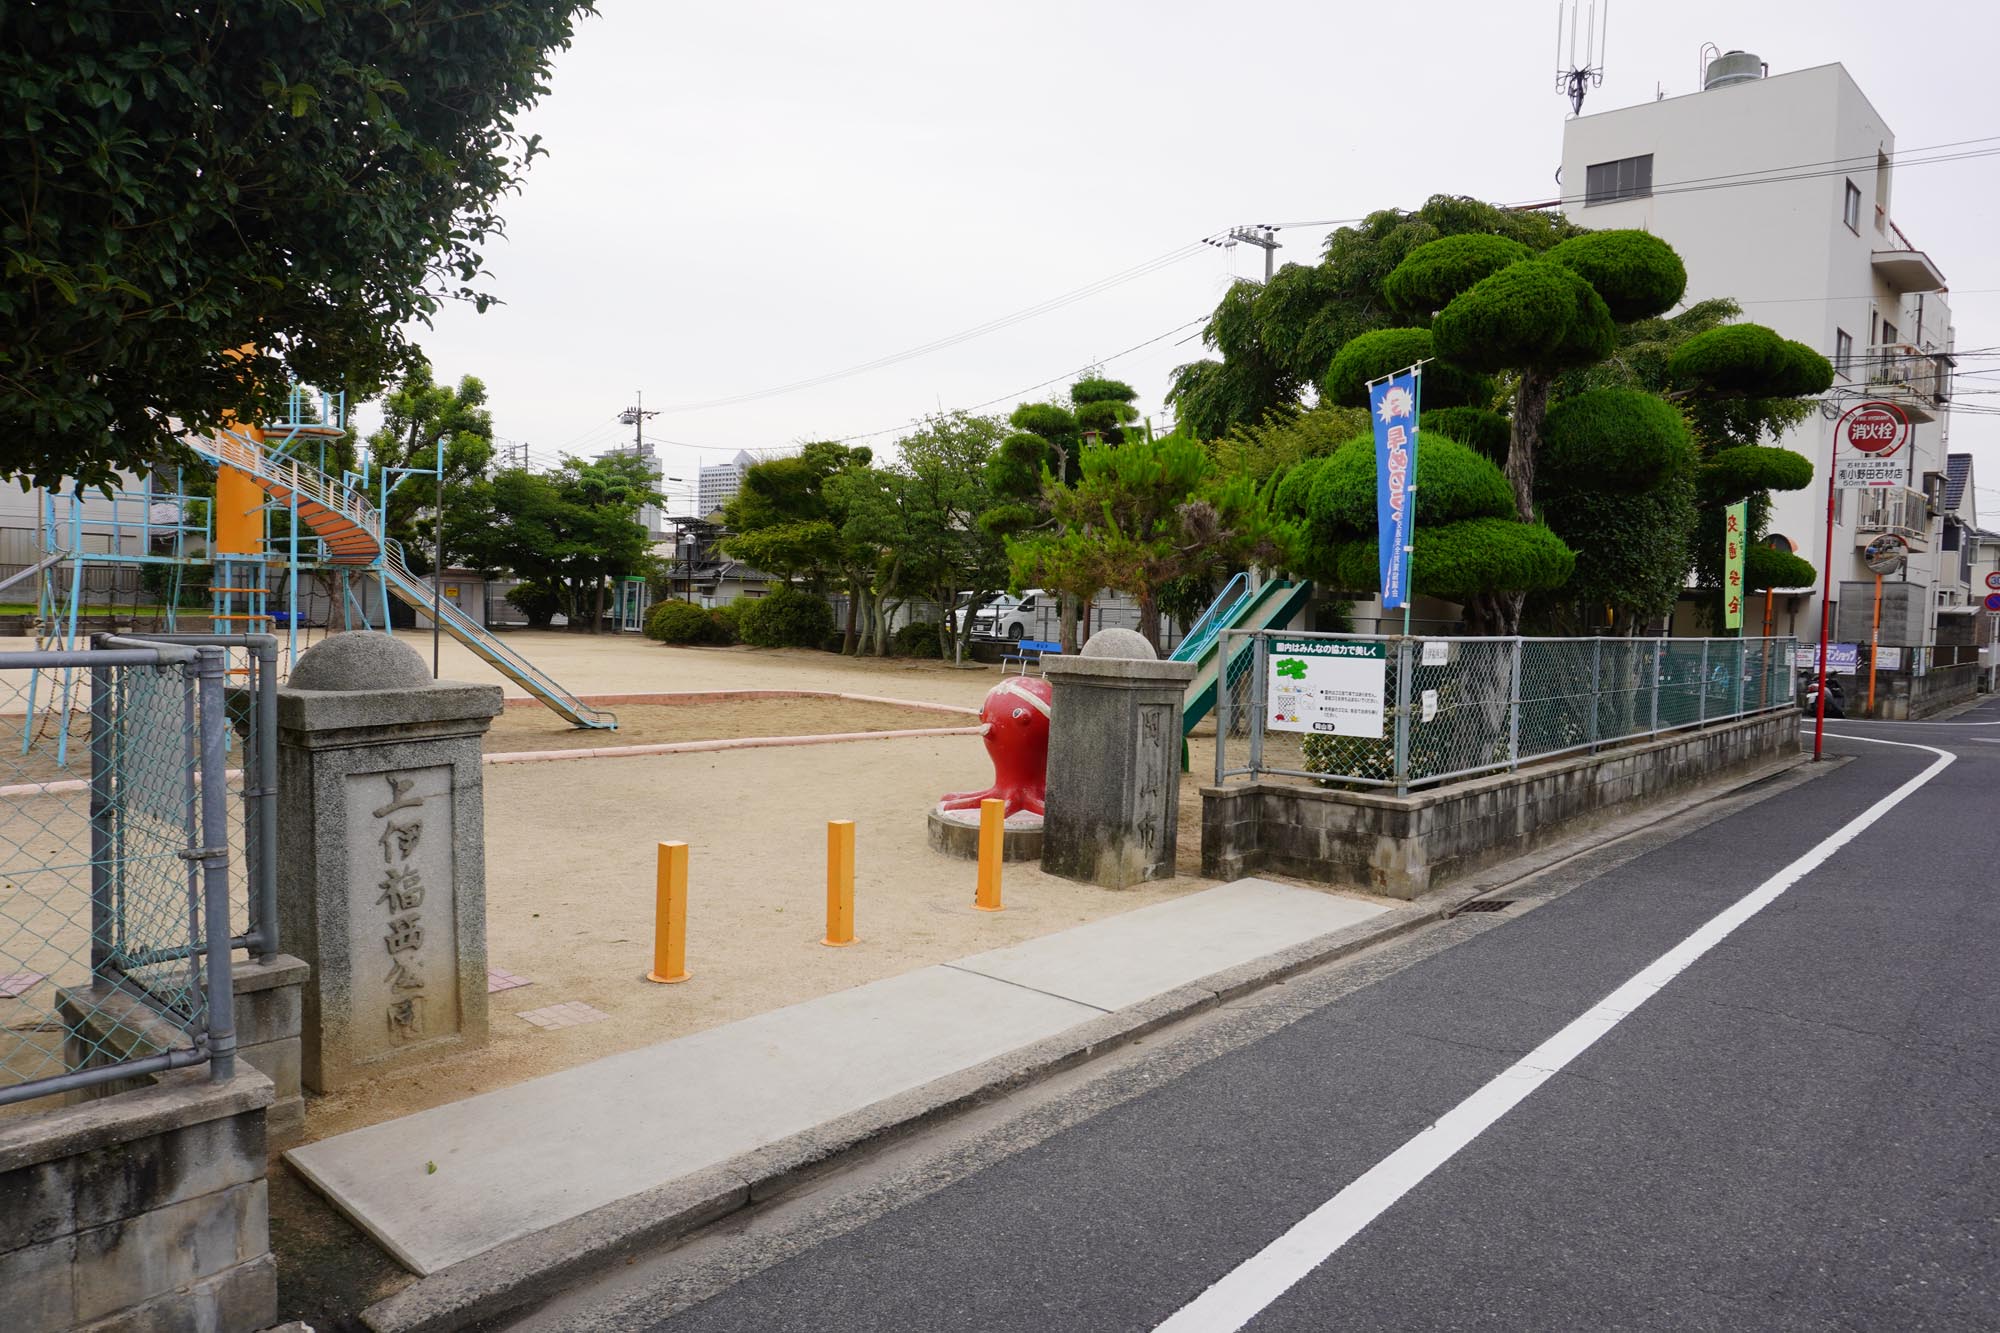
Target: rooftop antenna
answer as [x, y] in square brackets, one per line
[1580, 32]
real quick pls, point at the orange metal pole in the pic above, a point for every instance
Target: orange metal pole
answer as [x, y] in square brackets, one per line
[670, 915]
[992, 832]
[839, 883]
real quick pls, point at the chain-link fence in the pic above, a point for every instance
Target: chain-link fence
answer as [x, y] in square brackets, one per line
[1388, 711]
[114, 865]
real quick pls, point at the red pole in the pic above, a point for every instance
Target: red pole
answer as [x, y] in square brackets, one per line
[1825, 598]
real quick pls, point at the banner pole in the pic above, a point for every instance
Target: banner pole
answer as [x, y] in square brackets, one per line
[1416, 439]
[1825, 594]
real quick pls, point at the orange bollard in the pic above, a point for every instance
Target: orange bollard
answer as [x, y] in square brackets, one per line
[992, 828]
[670, 910]
[839, 883]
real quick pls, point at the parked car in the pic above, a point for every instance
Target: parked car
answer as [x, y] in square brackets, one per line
[968, 604]
[1011, 617]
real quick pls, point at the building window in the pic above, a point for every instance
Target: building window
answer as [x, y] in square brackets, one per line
[1627, 178]
[1843, 352]
[1850, 210]
[1888, 333]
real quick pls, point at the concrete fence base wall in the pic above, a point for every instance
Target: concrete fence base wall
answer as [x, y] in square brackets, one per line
[141, 1211]
[1403, 846]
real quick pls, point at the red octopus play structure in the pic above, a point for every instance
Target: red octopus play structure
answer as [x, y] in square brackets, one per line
[1016, 714]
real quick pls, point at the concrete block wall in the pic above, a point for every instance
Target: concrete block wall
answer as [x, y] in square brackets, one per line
[270, 1006]
[139, 1212]
[1403, 846]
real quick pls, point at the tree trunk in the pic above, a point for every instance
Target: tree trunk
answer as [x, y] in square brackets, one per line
[1068, 605]
[1149, 622]
[597, 620]
[847, 642]
[1531, 408]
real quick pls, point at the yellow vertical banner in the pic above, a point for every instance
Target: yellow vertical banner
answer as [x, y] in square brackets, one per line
[1735, 525]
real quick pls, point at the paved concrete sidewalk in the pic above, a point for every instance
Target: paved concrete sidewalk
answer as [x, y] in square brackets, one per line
[451, 1183]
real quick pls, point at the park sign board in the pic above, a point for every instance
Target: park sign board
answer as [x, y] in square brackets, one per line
[1326, 687]
[1865, 445]
[1393, 405]
[1735, 526]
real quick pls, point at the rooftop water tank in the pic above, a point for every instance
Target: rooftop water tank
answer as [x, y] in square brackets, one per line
[1732, 67]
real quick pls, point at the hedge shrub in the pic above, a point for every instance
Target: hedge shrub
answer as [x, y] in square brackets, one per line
[919, 638]
[1452, 482]
[787, 617]
[1616, 439]
[1533, 314]
[1431, 275]
[1733, 474]
[1381, 352]
[683, 623]
[1750, 360]
[1768, 567]
[1638, 274]
[1477, 428]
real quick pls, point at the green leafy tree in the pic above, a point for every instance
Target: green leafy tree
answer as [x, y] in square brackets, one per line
[1278, 339]
[304, 179]
[418, 415]
[946, 461]
[1145, 514]
[571, 531]
[786, 520]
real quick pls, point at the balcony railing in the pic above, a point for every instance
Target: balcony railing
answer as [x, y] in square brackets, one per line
[1896, 509]
[1916, 379]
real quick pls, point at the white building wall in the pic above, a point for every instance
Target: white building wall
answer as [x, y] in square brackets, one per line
[1782, 250]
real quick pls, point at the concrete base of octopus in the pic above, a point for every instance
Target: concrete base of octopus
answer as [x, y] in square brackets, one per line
[956, 833]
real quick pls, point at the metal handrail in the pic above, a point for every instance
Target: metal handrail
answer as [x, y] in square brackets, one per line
[1202, 633]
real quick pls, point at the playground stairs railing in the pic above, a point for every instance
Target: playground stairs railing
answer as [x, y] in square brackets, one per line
[352, 531]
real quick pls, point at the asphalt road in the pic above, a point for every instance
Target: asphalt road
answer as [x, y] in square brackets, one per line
[1799, 1130]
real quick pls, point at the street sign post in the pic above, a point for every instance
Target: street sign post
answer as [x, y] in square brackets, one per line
[1874, 432]
[1993, 601]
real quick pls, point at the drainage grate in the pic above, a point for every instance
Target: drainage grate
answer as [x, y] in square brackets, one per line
[1481, 905]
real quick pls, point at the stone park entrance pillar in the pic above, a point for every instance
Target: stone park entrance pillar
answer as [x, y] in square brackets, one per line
[382, 871]
[1113, 807]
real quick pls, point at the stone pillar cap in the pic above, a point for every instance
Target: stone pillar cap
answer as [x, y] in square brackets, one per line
[362, 659]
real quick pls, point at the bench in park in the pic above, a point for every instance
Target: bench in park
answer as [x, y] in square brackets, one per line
[1029, 653]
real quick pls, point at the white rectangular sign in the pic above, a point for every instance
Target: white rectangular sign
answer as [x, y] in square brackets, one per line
[1326, 687]
[1437, 652]
[1851, 474]
[1888, 659]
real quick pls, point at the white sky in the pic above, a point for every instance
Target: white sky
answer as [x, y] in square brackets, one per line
[747, 195]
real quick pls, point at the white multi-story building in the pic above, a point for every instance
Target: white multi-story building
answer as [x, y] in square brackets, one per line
[650, 516]
[1776, 190]
[719, 483]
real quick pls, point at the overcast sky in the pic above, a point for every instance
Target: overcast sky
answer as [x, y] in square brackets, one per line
[745, 196]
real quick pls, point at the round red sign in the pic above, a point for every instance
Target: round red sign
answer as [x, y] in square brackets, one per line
[1877, 429]
[1993, 580]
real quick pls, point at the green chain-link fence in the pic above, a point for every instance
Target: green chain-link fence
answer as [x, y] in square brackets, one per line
[114, 865]
[1452, 707]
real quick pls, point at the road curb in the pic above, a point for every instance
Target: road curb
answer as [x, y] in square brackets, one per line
[523, 1272]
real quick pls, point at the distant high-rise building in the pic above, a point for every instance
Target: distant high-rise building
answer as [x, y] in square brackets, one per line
[719, 483]
[650, 516]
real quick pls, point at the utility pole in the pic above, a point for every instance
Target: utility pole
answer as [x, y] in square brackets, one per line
[1261, 234]
[635, 417]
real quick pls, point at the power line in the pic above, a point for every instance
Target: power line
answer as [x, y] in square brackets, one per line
[1055, 379]
[1158, 262]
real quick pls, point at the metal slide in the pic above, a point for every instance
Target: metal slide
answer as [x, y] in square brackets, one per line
[351, 530]
[1238, 608]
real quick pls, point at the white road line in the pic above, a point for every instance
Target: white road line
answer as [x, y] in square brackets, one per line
[1245, 1291]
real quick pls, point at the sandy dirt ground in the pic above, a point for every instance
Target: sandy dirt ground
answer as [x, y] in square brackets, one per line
[571, 850]
[535, 728]
[628, 664]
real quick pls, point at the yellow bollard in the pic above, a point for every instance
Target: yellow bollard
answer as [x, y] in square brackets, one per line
[670, 911]
[839, 883]
[992, 829]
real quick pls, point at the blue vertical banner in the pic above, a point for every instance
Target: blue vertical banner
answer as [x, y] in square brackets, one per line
[1393, 404]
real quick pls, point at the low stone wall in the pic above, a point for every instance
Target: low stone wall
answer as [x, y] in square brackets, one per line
[145, 1210]
[1402, 846]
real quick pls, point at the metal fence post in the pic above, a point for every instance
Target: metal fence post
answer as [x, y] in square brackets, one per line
[1259, 650]
[1742, 672]
[1596, 686]
[1514, 711]
[1701, 713]
[1659, 657]
[1402, 742]
[214, 858]
[1221, 705]
[101, 815]
[263, 876]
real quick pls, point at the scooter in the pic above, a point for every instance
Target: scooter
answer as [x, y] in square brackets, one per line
[1809, 697]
